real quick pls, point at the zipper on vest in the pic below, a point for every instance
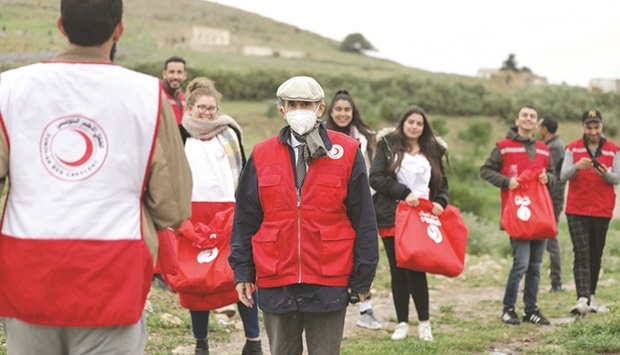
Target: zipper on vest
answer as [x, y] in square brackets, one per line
[298, 236]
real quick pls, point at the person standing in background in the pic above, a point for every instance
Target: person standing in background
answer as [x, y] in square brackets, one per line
[96, 167]
[214, 149]
[408, 166]
[547, 128]
[343, 116]
[591, 168]
[510, 157]
[173, 76]
[304, 227]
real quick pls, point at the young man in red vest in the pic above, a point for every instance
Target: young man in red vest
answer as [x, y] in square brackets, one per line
[517, 152]
[591, 168]
[94, 171]
[305, 231]
[173, 76]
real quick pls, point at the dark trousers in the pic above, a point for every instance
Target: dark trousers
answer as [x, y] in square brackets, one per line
[407, 282]
[323, 332]
[588, 235]
[249, 316]
[555, 254]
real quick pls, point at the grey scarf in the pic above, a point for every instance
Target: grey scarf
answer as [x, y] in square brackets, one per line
[314, 146]
[203, 129]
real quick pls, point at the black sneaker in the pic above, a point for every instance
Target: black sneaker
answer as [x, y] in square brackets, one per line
[556, 288]
[510, 317]
[536, 318]
[252, 348]
[202, 347]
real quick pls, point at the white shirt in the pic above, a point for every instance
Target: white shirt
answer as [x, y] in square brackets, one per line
[415, 172]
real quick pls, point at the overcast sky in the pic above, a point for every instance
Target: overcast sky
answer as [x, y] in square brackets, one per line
[566, 41]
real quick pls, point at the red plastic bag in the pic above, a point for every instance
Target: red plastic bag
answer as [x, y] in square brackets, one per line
[166, 253]
[202, 253]
[528, 210]
[429, 243]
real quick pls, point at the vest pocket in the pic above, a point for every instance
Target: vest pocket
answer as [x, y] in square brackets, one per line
[337, 251]
[266, 253]
[270, 191]
[329, 192]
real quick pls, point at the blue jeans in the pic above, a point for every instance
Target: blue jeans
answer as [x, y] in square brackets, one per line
[527, 260]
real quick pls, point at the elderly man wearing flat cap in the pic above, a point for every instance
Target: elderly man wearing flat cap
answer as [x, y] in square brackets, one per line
[304, 231]
[591, 168]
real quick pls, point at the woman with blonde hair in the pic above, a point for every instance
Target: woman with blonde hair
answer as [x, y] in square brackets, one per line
[214, 150]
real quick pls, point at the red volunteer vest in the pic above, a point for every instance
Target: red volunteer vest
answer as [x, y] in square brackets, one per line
[178, 111]
[588, 193]
[515, 160]
[310, 241]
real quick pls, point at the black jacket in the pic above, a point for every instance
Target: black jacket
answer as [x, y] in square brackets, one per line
[388, 190]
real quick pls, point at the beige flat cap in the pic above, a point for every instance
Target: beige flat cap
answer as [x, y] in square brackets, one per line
[301, 88]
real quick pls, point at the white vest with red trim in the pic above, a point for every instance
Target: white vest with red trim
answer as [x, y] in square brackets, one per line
[72, 251]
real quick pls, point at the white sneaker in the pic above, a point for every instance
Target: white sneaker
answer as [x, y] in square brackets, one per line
[592, 305]
[424, 332]
[401, 332]
[582, 306]
[368, 320]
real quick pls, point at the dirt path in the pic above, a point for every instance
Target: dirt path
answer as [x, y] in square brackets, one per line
[456, 294]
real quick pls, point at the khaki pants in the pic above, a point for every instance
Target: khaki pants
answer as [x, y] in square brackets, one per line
[29, 339]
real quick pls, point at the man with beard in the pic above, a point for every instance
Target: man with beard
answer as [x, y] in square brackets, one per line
[174, 75]
[591, 168]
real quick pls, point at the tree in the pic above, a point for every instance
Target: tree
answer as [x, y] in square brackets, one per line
[510, 63]
[356, 43]
[478, 133]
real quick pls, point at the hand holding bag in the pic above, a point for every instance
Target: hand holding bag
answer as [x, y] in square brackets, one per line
[202, 252]
[528, 211]
[430, 243]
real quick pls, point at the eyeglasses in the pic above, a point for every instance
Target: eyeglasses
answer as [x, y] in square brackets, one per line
[205, 109]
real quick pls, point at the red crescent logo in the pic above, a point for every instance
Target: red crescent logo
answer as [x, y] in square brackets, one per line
[87, 154]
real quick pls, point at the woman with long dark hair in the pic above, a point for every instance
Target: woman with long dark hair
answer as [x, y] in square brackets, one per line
[343, 116]
[408, 166]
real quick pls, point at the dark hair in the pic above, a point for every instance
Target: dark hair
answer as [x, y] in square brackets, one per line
[429, 146]
[89, 23]
[174, 59]
[357, 121]
[526, 106]
[550, 123]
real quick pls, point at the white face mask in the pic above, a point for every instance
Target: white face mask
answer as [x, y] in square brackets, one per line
[301, 121]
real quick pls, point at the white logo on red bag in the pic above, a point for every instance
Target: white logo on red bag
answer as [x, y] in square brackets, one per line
[434, 233]
[434, 223]
[207, 255]
[523, 212]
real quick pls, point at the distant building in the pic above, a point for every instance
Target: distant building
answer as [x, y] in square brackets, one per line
[604, 85]
[195, 38]
[519, 79]
[271, 52]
